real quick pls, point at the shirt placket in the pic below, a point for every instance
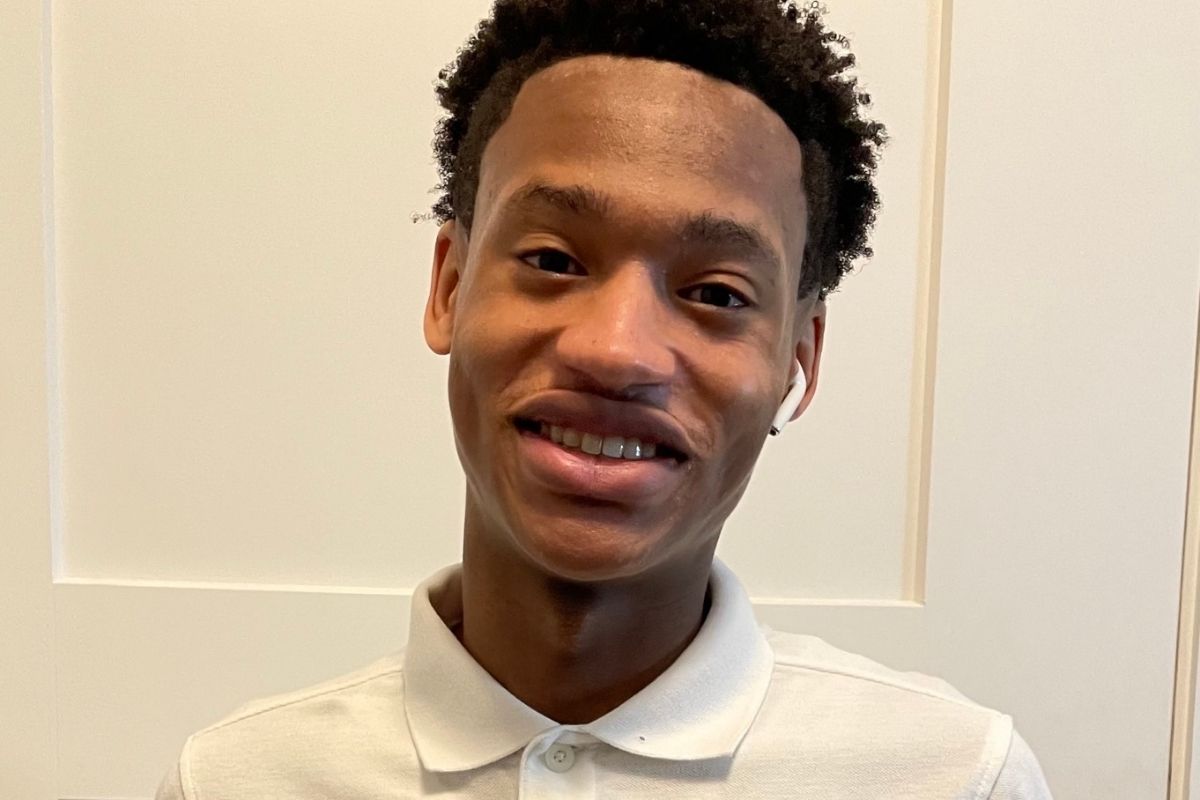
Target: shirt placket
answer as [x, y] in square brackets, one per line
[559, 763]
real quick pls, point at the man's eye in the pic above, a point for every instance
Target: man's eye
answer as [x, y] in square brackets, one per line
[555, 261]
[720, 295]
[559, 263]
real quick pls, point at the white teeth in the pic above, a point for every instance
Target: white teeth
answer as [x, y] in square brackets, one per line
[619, 447]
[613, 446]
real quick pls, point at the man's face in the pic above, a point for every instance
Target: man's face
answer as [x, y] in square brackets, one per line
[632, 268]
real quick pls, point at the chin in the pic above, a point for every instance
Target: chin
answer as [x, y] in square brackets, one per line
[589, 544]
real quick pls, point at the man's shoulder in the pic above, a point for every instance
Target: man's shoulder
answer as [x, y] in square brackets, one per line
[808, 655]
[892, 720]
[331, 696]
[288, 740]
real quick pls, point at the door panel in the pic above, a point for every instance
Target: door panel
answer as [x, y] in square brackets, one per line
[248, 449]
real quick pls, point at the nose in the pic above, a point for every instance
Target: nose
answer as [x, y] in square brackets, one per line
[618, 334]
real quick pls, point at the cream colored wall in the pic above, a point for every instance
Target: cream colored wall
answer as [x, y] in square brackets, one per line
[228, 431]
[26, 622]
[236, 186]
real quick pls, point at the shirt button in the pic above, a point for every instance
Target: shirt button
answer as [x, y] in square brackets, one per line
[559, 757]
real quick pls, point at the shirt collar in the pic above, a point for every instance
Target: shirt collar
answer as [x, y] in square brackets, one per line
[461, 718]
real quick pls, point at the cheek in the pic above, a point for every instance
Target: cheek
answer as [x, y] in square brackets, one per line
[749, 390]
[474, 358]
[488, 355]
[746, 408]
[473, 382]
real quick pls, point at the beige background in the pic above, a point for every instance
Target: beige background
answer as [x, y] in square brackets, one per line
[227, 450]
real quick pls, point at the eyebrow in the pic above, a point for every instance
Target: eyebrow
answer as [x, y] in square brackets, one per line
[708, 228]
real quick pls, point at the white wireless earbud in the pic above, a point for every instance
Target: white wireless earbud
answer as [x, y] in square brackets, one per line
[797, 388]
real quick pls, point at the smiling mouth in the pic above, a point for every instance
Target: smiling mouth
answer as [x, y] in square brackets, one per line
[598, 480]
[603, 446]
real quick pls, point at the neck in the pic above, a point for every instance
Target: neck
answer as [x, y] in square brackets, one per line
[573, 651]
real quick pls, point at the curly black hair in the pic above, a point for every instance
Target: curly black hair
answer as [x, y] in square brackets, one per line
[780, 52]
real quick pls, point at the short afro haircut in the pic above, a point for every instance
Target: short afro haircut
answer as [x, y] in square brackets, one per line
[780, 52]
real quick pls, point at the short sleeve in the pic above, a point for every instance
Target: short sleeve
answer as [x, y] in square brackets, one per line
[1021, 776]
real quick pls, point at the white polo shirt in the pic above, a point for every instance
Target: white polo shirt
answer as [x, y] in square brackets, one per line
[743, 712]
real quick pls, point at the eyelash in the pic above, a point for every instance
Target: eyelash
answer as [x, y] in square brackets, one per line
[741, 298]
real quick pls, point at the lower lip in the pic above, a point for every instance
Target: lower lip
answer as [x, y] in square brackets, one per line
[574, 472]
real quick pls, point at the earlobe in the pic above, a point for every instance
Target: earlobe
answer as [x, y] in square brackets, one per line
[443, 288]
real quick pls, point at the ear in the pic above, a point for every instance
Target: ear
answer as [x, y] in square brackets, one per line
[449, 255]
[809, 336]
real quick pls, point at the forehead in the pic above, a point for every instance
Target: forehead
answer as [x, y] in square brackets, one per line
[654, 135]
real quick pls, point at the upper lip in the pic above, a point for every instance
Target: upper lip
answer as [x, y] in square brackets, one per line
[597, 415]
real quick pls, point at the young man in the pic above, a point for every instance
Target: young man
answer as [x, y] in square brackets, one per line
[646, 204]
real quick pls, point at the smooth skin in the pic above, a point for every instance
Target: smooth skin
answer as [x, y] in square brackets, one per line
[575, 606]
